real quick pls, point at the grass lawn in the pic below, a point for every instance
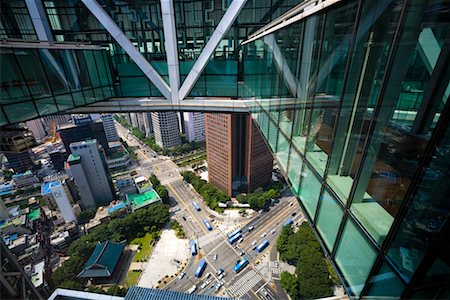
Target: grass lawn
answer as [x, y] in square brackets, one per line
[132, 278]
[145, 247]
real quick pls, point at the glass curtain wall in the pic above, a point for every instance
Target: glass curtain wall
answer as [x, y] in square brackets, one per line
[39, 82]
[351, 101]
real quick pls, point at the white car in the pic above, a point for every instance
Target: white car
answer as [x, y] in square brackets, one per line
[181, 275]
[221, 276]
[215, 256]
[251, 228]
[254, 242]
[273, 231]
[205, 284]
[264, 234]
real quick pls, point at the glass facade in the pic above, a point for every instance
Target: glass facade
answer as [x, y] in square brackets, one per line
[41, 81]
[356, 96]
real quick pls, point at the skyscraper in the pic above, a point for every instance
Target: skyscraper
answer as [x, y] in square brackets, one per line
[238, 158]
[87, 129]
[194, 126]
[166, 129]
[109, 127]
[89, 169]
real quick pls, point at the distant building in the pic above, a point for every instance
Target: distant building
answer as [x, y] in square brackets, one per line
[37, 128]
[89, 169]
[91, 130]
[117, 156]
[15, 143]
[24, 180]
[4, 212]
[166, 129]
[103, 260]
[238, 158]
[58, 157]
[148, 127]
[109, 127]
[194, 126]
[81, 119]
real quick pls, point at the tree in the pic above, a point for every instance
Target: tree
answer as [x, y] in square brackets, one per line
[290, 285]
[68, 271]
[154, 180]
[116, 290]
[163, 193]
[71, 285]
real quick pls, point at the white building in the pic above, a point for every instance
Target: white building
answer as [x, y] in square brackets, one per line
[37, 128]
[89, 169]
[194, 126]
[109, 127]
[166, 129]
[61, 196]
[134, 120]
[148, 125]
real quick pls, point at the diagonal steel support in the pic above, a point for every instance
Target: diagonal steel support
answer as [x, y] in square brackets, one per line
[222, 28]
[129, 48]
[39, 20]
[171, 45]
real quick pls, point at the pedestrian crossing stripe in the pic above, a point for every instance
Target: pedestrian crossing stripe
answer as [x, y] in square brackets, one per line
[244, 284]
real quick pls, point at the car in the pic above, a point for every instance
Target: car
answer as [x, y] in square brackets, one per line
[220, 271]
[251, 228]
[263, 234]
[221, 276]
[294, 214]
[205, 284]
[215, 256]
[181, 275]
[176, 261]
[184, 218]
[273, 231]
[208, 275]
[254, 242]
[241, 253]
[292, 203]
[275, 264]
[218, 286]
[240, 240]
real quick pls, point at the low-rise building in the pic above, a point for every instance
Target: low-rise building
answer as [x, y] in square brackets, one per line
[142, 184]
[25, 180]
[103, 260]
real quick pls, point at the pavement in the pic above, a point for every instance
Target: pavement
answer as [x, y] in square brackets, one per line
[161, 262]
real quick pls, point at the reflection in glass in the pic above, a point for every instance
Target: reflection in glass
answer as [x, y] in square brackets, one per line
[329, 219]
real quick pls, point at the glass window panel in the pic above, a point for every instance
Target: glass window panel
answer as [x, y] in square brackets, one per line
[46, 106]
[329, 219]
[427, 212]
[82, 69]
[309, 191]
[221, 85]
[295, 169]
[273, 134]
[3, 120]
[134, 86]
[98, 94]
[89, 96]
[102, 71]
[19, 112]
[92, 67]
[12, 84]
[386, 284]
[31, 67]
[199, 88]
[78, 98]
[71, 68]
[54, 71]
[64, 102]
[282, 153]
[355, 257]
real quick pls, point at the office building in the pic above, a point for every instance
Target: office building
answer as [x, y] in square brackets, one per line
[87, 129]
[194, 126]
[148, 126]
[90, 171]
[239, 161]
[37, 128]
[15, 143]
[109, 127]
[350, 95]
[58, 158]
[165, 127]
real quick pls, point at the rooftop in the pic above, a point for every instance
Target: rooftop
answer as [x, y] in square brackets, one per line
[141, 200]
[138, 293]
[34, 214]
[46, 188]
[103, 260]
[73, 157]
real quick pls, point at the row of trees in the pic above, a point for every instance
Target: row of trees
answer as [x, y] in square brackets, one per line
[150, 219]
[160, 189]
[261, 199]
[211, 194]
[312, 274]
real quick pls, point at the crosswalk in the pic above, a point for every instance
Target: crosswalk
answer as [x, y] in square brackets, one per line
[244, 284]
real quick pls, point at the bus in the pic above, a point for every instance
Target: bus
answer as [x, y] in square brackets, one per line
[193, 247]
[207, 224]
[196, 206]
[240, 265]
[239, 230]
[234, 238]
[288, 222]
[201, 267]
[262, 246]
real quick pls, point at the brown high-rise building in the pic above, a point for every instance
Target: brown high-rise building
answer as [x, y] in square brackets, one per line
[238, 158]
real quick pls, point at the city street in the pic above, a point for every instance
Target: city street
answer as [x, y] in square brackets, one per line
[213, 246]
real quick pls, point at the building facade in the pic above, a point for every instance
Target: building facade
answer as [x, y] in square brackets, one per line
[194, 126]
[238, 158]
[86, 130]
[109, 127]
[90, 171]
[166, 129]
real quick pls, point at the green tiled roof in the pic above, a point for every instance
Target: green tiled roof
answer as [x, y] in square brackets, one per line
[103, 260]
[73, 157]
[34, 214]
[140, 200]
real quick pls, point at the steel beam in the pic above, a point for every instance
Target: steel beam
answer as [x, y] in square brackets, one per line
[128, 47]
[171, 45]
[39, 19]
[222, 28]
